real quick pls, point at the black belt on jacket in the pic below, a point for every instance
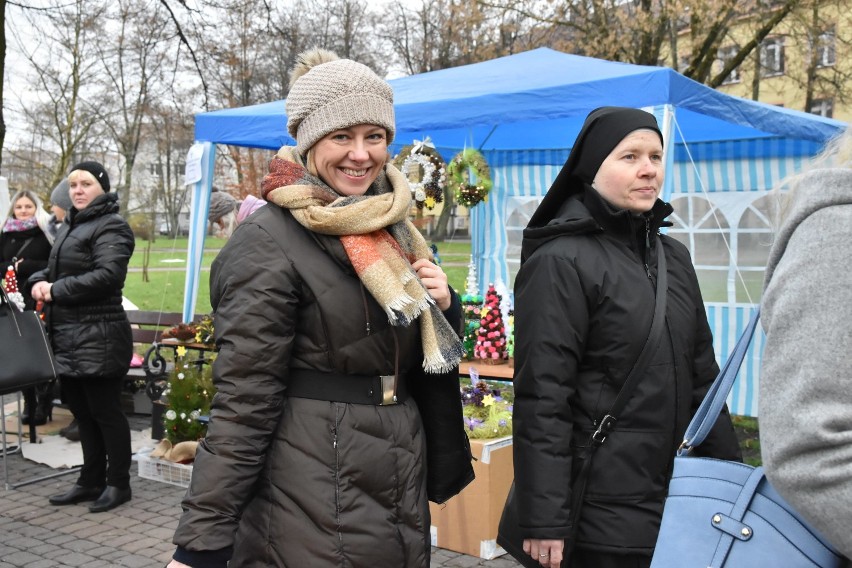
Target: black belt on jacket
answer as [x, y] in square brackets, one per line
[377, 390]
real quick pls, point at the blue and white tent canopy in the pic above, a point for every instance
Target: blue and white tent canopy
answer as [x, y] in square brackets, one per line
[535, 99]
[524, 111]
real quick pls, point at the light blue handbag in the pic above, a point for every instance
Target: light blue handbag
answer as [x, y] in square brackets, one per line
[726, 514]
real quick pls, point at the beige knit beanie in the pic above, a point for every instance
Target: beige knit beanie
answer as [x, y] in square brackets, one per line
[328, 93]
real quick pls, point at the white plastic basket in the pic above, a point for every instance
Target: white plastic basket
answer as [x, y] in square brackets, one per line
[163, 470]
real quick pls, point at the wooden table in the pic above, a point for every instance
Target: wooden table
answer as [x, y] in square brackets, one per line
[490, 372]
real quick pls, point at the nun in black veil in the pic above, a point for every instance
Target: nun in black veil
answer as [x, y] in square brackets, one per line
[584, 302]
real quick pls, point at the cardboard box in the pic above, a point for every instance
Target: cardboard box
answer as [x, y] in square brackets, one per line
[468, 522]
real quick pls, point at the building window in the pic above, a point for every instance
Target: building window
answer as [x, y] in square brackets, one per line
[825, 48]
[822, 107]
[772, 57]
[723, 56]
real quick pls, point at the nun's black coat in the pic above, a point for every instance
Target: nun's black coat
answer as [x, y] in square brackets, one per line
[584, 300]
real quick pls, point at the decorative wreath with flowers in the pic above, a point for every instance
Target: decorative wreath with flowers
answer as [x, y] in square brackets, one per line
[470, 177]
[426, 172]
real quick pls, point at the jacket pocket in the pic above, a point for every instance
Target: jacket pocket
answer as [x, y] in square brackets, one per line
[630, 465]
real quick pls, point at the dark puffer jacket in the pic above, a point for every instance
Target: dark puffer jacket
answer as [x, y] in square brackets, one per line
[584, 305]
[284, 481]
[89, 330]
[34, 256]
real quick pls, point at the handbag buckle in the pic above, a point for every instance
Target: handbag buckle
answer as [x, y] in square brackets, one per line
[604, 429]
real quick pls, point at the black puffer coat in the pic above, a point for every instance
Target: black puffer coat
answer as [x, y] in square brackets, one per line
[284, 481]
[584, 305]
[89, 330]
[34, 256]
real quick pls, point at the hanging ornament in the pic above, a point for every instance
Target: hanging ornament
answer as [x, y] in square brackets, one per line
[425, 170]
[470, 177]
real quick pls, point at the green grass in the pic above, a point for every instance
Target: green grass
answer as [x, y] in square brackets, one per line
[164, 290]
[748, 434]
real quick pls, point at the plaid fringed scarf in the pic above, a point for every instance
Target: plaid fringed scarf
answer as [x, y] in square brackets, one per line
[380, 242]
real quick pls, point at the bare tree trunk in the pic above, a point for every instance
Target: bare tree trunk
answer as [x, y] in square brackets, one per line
[441, 231]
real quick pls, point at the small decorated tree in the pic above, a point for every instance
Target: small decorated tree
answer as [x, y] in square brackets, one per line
[491, 337]
[189, 395]
[471, 283]
[10, 284]
[471, 303]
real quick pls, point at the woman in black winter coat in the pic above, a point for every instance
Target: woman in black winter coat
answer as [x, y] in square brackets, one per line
[90, 333]
[337, 413]
[25, 240]
[25, 243]
[584, 301]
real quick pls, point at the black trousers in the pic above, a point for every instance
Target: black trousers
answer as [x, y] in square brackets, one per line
[593, 559]
[104, 430]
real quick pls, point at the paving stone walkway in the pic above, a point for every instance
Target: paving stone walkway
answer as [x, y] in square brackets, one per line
[36, 534]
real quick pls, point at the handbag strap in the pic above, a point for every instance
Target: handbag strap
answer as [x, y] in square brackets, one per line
[707, 414]
[607, 423]
[23, 246]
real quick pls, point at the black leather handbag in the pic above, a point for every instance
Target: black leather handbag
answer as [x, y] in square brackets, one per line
[24, 348]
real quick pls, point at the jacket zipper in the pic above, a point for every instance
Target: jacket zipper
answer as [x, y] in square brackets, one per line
[648, 247]
[366, 308]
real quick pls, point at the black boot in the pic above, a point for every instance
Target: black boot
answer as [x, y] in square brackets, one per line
[77, 494]
[44, 410]
[29, 394]
[72, 432]
[111, 498]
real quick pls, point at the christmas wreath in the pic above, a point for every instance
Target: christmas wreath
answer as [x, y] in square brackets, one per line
[469, 190]
[425, 170]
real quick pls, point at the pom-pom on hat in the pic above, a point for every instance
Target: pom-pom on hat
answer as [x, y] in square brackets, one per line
[328, 93]
[97, 171]
[60, 196]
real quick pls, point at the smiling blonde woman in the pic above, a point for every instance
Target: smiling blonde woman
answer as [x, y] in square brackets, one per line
[337, 413]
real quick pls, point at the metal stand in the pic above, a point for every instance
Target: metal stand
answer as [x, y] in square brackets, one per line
[6, 449]
[42, 478]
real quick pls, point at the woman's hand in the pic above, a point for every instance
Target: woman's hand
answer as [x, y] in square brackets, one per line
[435, 281]
[176, 564]
[548, 553]
[41, 291]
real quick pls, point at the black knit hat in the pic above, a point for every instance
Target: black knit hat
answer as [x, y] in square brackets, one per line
[603, 130]
[97, 171]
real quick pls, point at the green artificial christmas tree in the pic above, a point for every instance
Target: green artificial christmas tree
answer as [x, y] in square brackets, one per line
[189, 395]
